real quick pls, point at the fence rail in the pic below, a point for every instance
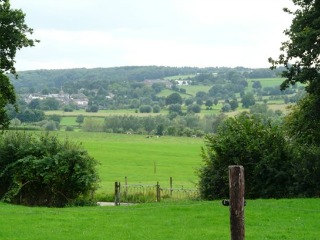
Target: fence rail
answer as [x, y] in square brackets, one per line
[151, 193]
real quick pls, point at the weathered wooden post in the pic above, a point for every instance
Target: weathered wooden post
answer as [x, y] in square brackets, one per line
[117, 193]
[126, 187]
[158, 192]
[236, 187]
[170, 186]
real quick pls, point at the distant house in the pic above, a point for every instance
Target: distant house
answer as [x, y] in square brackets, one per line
[183, 82]
[110, 96]
[61, 97]
[80, 100]
[31, 97]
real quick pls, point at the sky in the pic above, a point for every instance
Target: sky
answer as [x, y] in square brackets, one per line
[193, 33]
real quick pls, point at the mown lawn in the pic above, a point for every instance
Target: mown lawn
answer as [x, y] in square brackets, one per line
[264, 219]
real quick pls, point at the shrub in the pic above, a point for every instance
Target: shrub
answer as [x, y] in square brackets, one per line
[69, 128]
[51, 126]
[156, 109]
[92, 125]
[261, 149]
[43, 171]
[145, 109]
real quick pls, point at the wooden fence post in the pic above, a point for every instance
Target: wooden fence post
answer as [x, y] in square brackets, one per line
[236, 187]
[117, 193]
[126, 187]
[158, 192]
[170, 186]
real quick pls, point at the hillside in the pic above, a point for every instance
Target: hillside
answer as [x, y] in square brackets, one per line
[40, 79]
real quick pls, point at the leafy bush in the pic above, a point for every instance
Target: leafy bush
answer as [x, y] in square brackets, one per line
[92, 124]
[51, 126]
[261, 149]
[69, 128]
[145, 109]
[43, 171]
[195, 108]
[302, 126]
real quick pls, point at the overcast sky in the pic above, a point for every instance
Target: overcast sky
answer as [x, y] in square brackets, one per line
[105, 33]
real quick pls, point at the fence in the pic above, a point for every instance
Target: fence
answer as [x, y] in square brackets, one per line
[151, 193]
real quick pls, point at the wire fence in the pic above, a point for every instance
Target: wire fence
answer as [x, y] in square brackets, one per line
[138, 193]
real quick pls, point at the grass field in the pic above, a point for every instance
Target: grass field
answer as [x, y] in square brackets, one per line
[267, 82]
[264, 219]
[143, 160]
[180, 77]
[193, 89]
[68, 121]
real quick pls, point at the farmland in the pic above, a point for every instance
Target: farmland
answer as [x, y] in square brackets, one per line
[143, 160]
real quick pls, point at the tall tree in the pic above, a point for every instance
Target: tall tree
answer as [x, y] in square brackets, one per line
[302, 47]
[302, 124]
[248, 100]
[174, 98]
[13, 37]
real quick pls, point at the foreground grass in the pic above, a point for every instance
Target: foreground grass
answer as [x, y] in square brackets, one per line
[264, 219]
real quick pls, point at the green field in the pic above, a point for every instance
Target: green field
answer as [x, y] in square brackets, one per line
[68, 121]
[180, 77]
[141, 159]
[264, 219]
[148, 160]
[193, 89]
[267, 82]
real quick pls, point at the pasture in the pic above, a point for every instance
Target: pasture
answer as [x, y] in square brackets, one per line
[267, 82]
[264, 219]
[193, 89]
[143, 160]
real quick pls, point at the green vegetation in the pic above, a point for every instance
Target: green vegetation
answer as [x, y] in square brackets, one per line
[194, 89]
[292, 219]
[259, 147]
[13, 36]
[180, 77]
[267, 82]
[136, 156]
[42, 171]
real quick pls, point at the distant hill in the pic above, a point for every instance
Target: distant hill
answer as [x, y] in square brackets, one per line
[41, 79]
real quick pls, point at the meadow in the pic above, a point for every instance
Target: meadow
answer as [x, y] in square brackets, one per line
[264, 219]
[267, 82]
[147, 160]
[142, 160]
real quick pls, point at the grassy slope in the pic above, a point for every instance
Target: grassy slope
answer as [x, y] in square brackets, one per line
[264, 219]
